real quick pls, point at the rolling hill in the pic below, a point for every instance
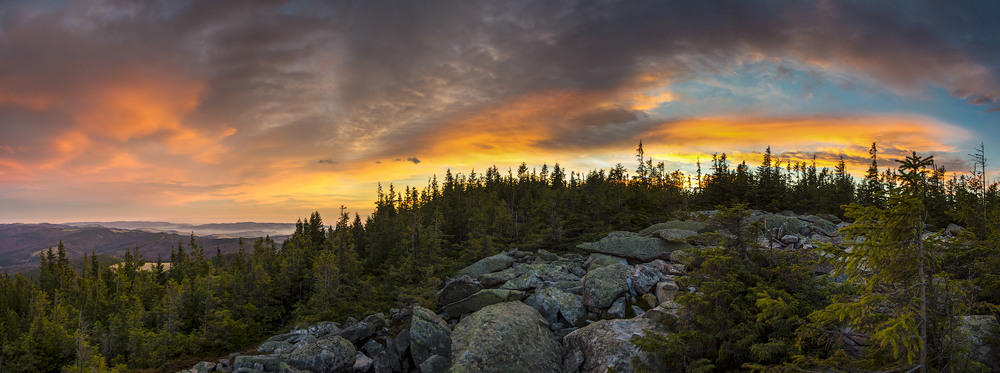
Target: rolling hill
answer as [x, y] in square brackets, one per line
[21, 243]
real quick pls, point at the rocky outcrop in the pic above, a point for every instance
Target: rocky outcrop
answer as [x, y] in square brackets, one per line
[633, 246]
[977, 329]
[487, 265]
[606, 344]
[524, 311]
[672, 235]
[690, 225]
[505, 337]
[328, 355]
[429, 336]
[457, 289]
[481, 299]
[549, 311]
[600, 260]
[603, 285]
[558, 307]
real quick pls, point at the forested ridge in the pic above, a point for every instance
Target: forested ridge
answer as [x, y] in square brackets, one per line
[756, 308]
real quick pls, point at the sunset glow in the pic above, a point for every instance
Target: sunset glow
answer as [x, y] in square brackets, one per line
[232, 111]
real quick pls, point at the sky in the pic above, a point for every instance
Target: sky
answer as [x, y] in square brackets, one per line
[225, 111]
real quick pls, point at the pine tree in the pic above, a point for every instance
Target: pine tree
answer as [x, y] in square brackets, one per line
[870, 192]
[891, 260]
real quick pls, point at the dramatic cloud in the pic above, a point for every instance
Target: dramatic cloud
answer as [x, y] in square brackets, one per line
[271, 109]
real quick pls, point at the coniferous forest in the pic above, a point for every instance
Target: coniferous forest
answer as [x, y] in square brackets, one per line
[891, 305]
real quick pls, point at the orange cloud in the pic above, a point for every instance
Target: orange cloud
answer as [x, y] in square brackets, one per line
[144, 105]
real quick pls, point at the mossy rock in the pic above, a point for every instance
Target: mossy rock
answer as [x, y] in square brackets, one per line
[691, 225]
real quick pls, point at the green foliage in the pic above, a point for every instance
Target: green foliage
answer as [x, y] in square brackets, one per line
[746, 305]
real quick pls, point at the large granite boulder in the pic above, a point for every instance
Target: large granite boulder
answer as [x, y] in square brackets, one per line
[644, 277]
[553, 302]
[275, 347]
[690, 225]
[457, 289]
[504, 337]
[429, 335]
[672, 235]
[603, 285]
[266, 363]
[532, 276]
[600, 260]
[977, 328]
[327, 355]
[606, 344]
[363, 329]
[631, 245]
[786, 224]
[486, 265]
[481, 299]
[494, 279]
[825, 227]
[666, 290]
[435, 364]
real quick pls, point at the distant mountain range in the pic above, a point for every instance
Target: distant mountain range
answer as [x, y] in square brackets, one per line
[218, 230]
[21, 243]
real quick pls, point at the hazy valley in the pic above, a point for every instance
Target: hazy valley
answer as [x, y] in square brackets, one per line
[21, 243]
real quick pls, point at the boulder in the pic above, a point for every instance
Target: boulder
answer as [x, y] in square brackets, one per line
[710, 239]
[322, 328]
[429, 335]
[667, 268]
[831, 218]
[495, 279]
[631, 245]
[617, 309]
[603, 285]
[481, 299]
[790, 239]
[690, 225]
[600, 260]
[672, 235]
[547, 255]
[363, 329]
[486, 265]
[223, 366]
[669, 310]
[275, 347]
[977, 328]
[791, 225]
[385, 361]
[458, 288]
[326, 355]
[650, 300]
[267, 363]
[504, 337]
[524, 281]
[204, 367]
[606, 345]
[531, 276]
[681, 257]
[362, 363]
[954, 229]
[644, 277]
[552, 302]
[435, 364]
[666, 290]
